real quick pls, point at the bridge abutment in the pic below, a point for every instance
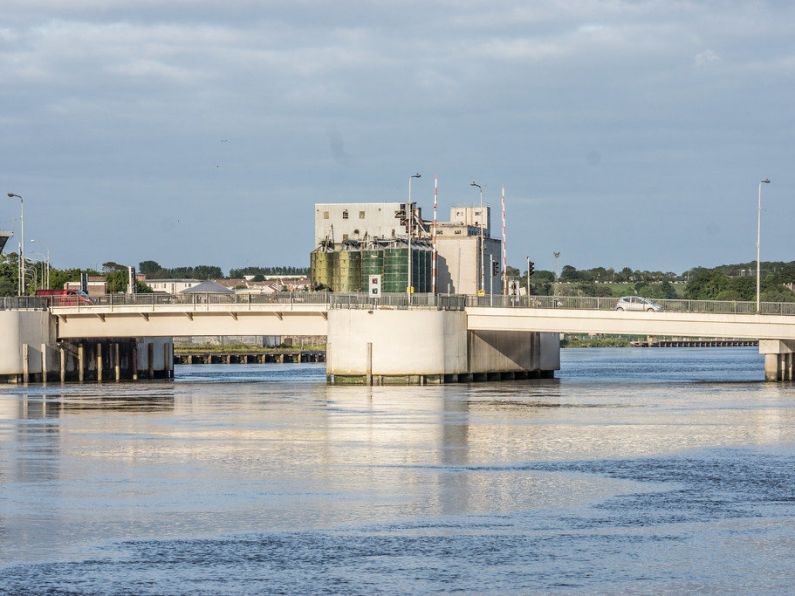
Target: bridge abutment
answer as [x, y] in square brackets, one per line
[31, 353]
[428, 346]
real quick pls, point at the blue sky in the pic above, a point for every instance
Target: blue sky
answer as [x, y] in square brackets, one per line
[626, 133]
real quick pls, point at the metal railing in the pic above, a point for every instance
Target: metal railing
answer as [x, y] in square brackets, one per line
[338, 300]
[23, 303]
[398, 301]
[153, 299]
[609, 303]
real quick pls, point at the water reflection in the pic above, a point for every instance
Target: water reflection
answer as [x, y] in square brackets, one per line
[270, 461]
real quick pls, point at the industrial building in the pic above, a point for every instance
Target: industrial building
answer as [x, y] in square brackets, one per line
[354, 241]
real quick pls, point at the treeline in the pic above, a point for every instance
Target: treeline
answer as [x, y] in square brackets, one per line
[153, 270]
[718, 284]
[610, 275]
[724, 282]
[244, 271]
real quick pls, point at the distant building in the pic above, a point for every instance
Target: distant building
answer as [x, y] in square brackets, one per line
[349, 238]
[171, 286]
[97, 286]
[207, 287]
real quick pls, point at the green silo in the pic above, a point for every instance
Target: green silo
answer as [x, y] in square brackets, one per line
[372, 264]
[349, 271]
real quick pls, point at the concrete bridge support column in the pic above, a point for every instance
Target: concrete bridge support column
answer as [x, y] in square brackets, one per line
[116, 363]
[62, 358]
[779, 359]
[81, 363]
[99, 363]
[44, 363]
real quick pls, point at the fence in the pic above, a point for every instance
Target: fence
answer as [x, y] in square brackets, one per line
[671, 305]
[402, 301]
[22, 303]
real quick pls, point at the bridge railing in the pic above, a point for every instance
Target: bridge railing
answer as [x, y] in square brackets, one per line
[204, 298]
[333, 300]
[399, 301]
[610, 303]
[23, 303]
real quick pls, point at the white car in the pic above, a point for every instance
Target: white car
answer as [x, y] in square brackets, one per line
[637, 303]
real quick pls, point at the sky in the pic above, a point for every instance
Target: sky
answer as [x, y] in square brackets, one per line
[202, 132]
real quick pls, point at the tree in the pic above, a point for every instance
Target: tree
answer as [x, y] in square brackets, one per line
[149, 267]
[568, 273]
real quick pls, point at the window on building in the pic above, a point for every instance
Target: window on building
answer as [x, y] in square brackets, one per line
[325, 215]
[439, 232]
[361, 214]
[457, 232]
[356, 232]
[345, 214]
[344, 237]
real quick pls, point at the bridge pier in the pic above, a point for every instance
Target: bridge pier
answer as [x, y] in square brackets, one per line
[779, 359]
[422, 346]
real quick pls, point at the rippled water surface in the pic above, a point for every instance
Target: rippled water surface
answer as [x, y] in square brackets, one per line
[645, 470]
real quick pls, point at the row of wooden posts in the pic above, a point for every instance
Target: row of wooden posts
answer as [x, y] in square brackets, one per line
[101, 361]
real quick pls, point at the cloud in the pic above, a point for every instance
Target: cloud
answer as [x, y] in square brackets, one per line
[706, 58]
[137, 92]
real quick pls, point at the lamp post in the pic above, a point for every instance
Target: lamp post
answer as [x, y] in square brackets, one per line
[758, 242]
[12, 195]
[410, 215]
[45, 264]
[482, 288]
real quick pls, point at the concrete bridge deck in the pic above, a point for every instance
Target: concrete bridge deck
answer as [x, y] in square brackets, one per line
[307, 314]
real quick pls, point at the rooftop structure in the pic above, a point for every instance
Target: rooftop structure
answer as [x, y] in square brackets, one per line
[4, 236]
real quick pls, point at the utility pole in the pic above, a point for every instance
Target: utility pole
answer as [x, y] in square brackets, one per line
[528, 279]
[491, 280]
[504, 249]
[433, 235]
[12, 195]
[410, 215]
[758, 242]
[482, 289]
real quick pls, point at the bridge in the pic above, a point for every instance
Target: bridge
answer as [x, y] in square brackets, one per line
[155, 315]
[454, 337]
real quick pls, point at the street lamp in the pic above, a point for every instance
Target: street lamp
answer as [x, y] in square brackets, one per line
[758, 242]
[482, 253]
[12, 195]
[45, 264]
[410, 214]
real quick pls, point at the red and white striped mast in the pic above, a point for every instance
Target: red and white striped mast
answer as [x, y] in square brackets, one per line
[504, 250]
[433, 234]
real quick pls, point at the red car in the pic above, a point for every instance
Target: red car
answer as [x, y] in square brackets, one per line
[64, 297]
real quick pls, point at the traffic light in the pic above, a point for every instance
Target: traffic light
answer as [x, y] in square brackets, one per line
[495, 268]
[530, 268]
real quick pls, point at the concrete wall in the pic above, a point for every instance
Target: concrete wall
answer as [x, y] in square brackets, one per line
[458, 264]
[184, 321]
[25, 327]
[550, 351]
[430, 343]
[379, 221]
[427, 342]
[472, 216]
[513, 351]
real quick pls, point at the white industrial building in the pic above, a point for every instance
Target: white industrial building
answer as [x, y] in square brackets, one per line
[462, 265]
[337, 222]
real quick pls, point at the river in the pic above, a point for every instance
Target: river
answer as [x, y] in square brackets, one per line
[636, 470]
